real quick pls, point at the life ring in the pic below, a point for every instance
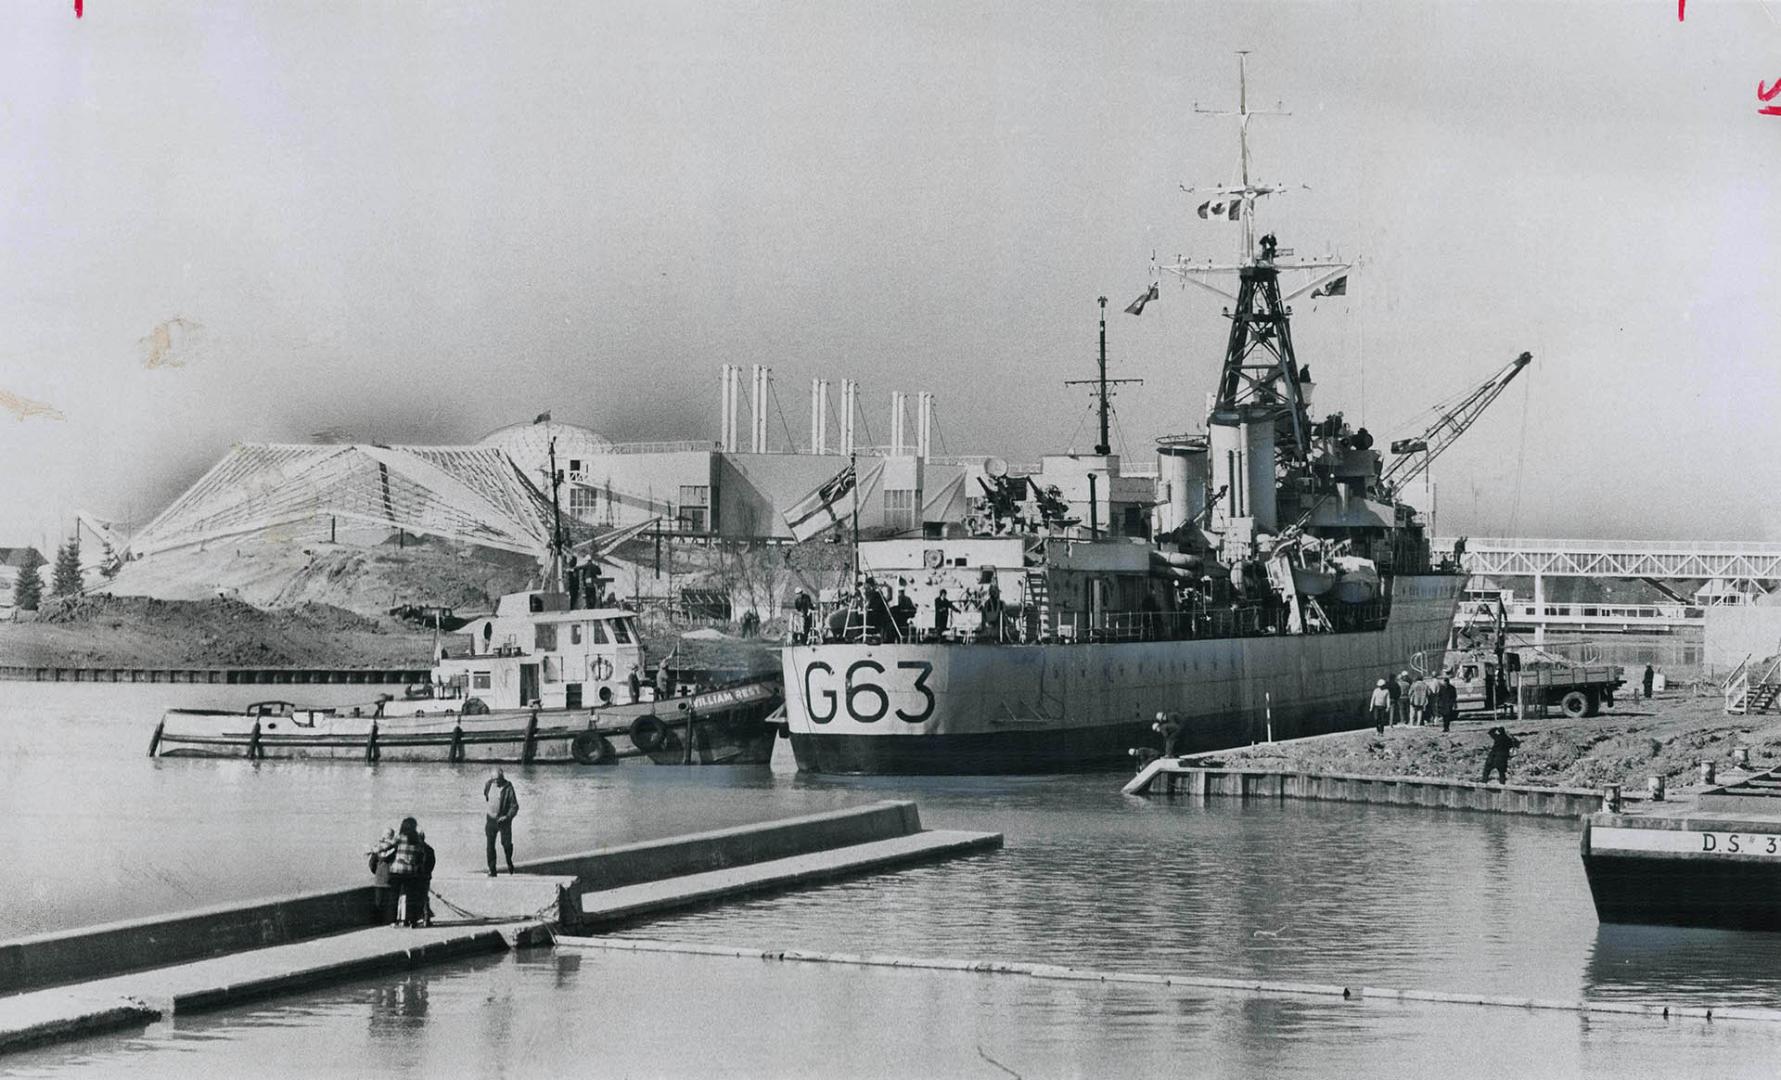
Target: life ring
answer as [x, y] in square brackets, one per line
[648, 734]
[602, 669]
[590, 748]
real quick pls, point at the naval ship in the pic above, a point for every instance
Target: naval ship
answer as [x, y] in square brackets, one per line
[1281, 578]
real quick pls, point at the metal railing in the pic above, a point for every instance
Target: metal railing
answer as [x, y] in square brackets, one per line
[1031, 626]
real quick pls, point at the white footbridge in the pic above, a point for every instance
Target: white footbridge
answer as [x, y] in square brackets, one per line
[1743, 570]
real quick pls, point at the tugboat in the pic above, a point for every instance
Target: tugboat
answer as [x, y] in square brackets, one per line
[545, 678]
[1283, 577]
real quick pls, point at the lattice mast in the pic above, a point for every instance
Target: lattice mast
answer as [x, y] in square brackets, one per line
[1260, 379]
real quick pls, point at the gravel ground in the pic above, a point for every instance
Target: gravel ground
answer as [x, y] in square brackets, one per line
[1667, 736]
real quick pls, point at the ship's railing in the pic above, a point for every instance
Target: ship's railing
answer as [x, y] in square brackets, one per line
[1031, 626]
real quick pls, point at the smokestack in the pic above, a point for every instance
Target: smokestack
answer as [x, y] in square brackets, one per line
[735, 440]
[723, 407]
[896, 433]
[822, 416]
[924, 424]
[757, 400]
[849, 392]
[815, 393]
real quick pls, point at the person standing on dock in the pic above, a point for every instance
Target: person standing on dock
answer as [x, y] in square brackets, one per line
[405, 874]
[1501, 742]
[1650, 677]
[383, 898]
[1446, 701]
[1400, 699]
[1380, 706]
[1419, 702]
[502, 809]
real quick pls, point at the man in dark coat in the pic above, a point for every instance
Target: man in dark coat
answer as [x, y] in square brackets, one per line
[942, 614]
[1447, 701]
[903, 613]
[803, 606]
[1501, 742]
[1650, 677]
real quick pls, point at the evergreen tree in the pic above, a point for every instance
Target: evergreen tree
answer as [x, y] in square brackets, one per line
[27, 591]
[67, 580]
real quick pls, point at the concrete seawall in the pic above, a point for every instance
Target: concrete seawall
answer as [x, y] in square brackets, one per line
[93, 952]
[1174, 777]
[213, 676]
[721, 849]
[74, 983]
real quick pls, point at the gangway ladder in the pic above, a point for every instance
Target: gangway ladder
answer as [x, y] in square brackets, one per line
[1036, 597]
[1744, 696]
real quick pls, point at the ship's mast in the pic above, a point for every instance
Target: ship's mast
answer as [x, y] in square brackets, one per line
[1247, 192]
[554, 581]
[1101, 382]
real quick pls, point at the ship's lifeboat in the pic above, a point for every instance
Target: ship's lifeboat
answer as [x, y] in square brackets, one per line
[1313, 580]
[1357, 580]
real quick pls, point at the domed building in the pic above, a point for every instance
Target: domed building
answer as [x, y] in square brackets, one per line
[528, 445]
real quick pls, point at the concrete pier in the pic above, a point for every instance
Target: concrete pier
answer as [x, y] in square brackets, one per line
[1175, 775]
[81, 982]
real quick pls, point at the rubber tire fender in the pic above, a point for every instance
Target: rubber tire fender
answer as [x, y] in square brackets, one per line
[648, 734]
[590, 748]
[1574, 704]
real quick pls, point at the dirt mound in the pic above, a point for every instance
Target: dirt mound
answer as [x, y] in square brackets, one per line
[369, 580]
[138, 631]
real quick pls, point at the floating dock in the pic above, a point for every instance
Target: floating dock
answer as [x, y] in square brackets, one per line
[1714, 862]
[1175, 775]
[76, 983]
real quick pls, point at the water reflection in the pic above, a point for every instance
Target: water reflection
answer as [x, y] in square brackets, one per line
[1668, 964]
[1320, 892]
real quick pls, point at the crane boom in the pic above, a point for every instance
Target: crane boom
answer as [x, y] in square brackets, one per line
[1416, 454]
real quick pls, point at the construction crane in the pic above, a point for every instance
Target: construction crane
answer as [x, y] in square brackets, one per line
[1452, 418]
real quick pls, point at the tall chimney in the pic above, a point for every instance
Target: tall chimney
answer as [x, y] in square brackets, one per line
[896, 432]
[822, 416]
[756, 401]
[815, 393]
[849, 391]
[723, 408]
[924, 424]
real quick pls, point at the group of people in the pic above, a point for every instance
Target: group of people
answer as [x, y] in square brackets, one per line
[402, 861]
[1418, 702]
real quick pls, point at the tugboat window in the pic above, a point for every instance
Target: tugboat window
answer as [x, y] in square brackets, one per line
[546, 636]
[575, 633]
[599, 629]
[620, 634]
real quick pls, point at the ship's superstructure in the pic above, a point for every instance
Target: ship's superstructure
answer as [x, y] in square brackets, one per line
[1283, 578]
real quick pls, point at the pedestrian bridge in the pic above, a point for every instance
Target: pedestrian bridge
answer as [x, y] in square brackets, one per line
[1689, 560]
[1754, 566]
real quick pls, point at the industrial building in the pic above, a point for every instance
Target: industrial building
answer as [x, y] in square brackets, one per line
[495, 494]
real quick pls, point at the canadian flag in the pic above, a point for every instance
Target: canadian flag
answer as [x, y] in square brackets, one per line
[1221, 209]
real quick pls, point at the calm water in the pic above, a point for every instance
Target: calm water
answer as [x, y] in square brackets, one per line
[1311, 891]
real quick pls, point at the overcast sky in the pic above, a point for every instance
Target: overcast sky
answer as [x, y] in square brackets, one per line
[418, 221]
